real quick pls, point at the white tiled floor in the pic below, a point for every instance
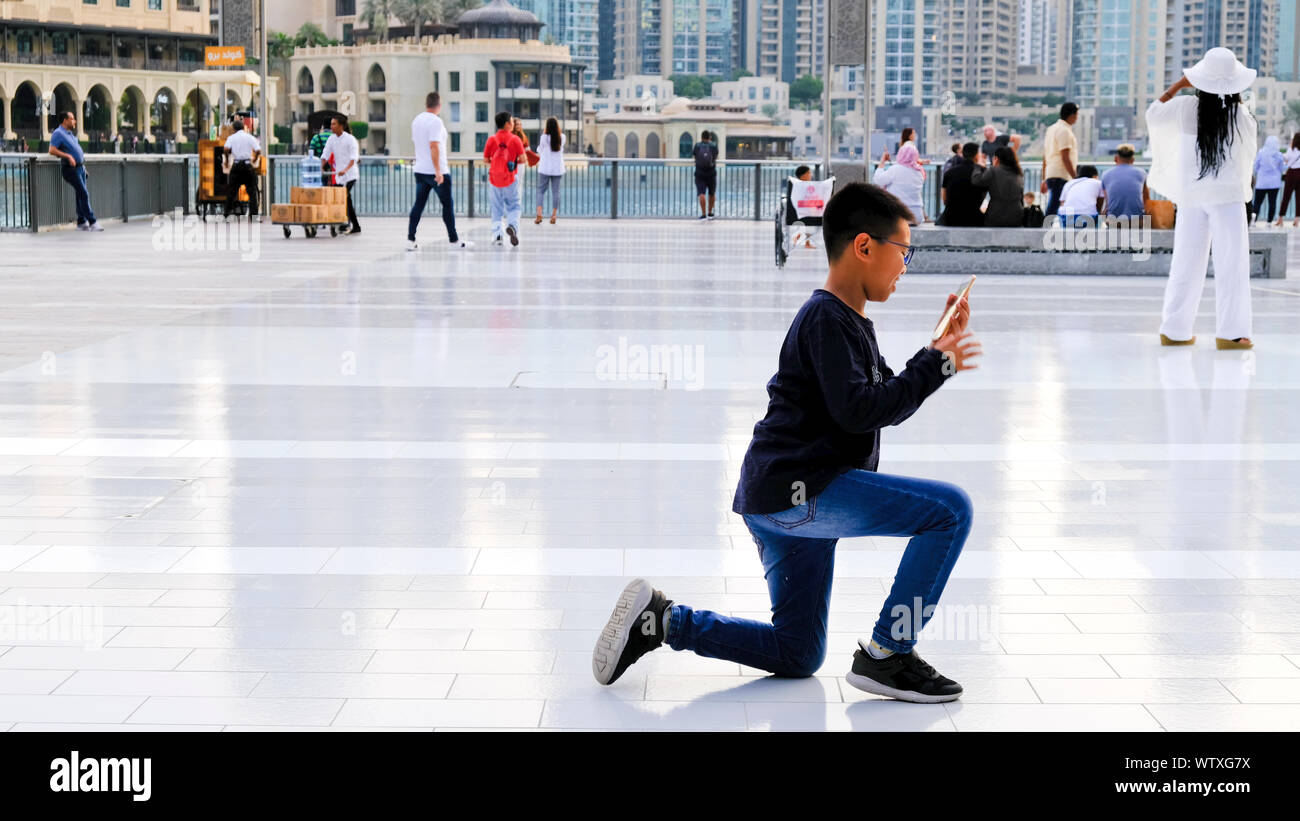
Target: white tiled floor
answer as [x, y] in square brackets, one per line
[299, 493]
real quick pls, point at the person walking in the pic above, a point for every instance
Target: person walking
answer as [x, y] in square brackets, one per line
[1005, 183]
[1125, 187]
[432, 172]
[1060, 151]
[517, 128]
[65, 146]
[244, 150]
[504, 152]
[345, 155]
[705, 154]
[1203, 147]
[550, 168]
[1268, 169]
[809, 478]
[1291, 181]
[904, 179]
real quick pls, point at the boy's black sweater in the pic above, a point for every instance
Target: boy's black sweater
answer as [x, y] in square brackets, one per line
[831, 395]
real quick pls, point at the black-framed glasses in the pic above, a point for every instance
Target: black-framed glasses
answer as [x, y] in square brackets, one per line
[908, 250]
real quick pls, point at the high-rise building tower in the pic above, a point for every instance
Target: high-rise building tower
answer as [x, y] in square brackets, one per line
[667, 37]
[785, 39]
[1044, 38]
[572, 23]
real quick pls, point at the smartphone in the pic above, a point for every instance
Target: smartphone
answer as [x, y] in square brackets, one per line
[942, 327]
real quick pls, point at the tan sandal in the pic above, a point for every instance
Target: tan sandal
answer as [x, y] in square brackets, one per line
[538, 220]
[552, 219]
[1241, 343]
[1164, 340]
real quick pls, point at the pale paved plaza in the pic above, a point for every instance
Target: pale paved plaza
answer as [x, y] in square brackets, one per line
[343, 486]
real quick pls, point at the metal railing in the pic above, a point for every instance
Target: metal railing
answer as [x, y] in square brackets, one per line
[33, 194]
[615, 188]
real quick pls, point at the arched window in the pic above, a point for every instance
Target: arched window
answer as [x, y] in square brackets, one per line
[684, 146]
[630, 145]
[611, 145]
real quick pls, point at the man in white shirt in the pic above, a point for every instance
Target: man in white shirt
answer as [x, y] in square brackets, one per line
[345, 156]
[432, 171]
[1081, 199]
[244, 150]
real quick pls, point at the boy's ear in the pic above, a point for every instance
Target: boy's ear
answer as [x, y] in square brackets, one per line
[862, 244]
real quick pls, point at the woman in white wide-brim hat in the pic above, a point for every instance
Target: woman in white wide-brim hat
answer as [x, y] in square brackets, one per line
[1202, 148]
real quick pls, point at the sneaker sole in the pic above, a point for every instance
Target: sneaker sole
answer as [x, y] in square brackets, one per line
[870, 685]
[613, 639]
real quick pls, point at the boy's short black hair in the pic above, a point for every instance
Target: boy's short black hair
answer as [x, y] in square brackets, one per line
[801, 170]
[503, 118]
[1087, 171]
[1068, 110]
[956, 148]
[970, 150]
[432, 99]
[860, 208]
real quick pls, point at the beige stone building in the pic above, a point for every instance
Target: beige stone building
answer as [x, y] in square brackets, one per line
[124, 69]
[670, 131]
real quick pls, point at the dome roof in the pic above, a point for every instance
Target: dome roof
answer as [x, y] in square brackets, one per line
[498, 11]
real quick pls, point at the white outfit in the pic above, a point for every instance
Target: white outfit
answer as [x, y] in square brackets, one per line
[1292, 158]
[1211, 216]
[905, 183]
[242, 145]
[427, 128]
[345, 150]
[551, 162]
[1079, 196]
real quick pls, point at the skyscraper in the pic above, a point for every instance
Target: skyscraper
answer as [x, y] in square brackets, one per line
[1249, 27]
[572, 23]
[1044, 39]
[667, 37]
[780, 38]
[924, 48]
[1288, 41]
[1119, 52]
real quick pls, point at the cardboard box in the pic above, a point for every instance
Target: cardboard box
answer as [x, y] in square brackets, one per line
[284, 213]
[308, 196]
[336, 195]
[335, 213]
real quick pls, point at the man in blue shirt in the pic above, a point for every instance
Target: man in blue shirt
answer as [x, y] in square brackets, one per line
[1125, 186]
[64, 145]
[809, 479]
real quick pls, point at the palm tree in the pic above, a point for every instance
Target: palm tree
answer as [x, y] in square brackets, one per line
[375, 15]
[1291, 114]
[312, 35]
[416, 13]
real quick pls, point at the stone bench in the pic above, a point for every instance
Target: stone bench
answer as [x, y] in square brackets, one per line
[941, 250]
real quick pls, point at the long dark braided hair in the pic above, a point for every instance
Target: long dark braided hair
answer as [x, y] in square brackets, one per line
[1216, 129]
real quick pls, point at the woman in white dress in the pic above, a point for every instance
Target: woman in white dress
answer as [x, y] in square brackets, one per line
[1203, 146]
[904, 179]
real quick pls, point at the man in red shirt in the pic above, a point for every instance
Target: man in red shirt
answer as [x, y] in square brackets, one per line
[503, 152]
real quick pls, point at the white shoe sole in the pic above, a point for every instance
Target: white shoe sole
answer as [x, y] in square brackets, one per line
[868, 685]
[613, 639]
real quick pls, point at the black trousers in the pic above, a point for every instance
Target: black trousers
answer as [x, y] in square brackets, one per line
[241, 173]
[1260, 195]
[352, 212]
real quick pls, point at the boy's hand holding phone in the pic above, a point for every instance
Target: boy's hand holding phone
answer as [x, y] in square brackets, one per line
[958, 345]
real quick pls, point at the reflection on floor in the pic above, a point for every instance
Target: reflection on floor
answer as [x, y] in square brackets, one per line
[342, 486]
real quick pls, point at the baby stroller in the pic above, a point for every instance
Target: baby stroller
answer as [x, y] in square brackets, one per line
[798, 218]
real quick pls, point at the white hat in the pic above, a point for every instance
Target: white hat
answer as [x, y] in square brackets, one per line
[1220, 72]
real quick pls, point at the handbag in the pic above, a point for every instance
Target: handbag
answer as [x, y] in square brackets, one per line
[533, 157]
[1163, 213]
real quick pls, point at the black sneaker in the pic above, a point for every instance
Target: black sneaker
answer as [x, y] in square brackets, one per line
[514, 237]
[635, 628]
[904, 676]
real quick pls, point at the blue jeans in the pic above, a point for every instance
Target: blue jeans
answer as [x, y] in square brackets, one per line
[797, 548]
[424, 183]
[545, 181]
[76, 177]
[1078, 220]
[505, 204]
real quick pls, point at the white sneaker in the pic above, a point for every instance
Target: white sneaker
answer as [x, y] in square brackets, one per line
[94, 226]
[412, 245]
[464, 243]
[496, 241]
[83, 226]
